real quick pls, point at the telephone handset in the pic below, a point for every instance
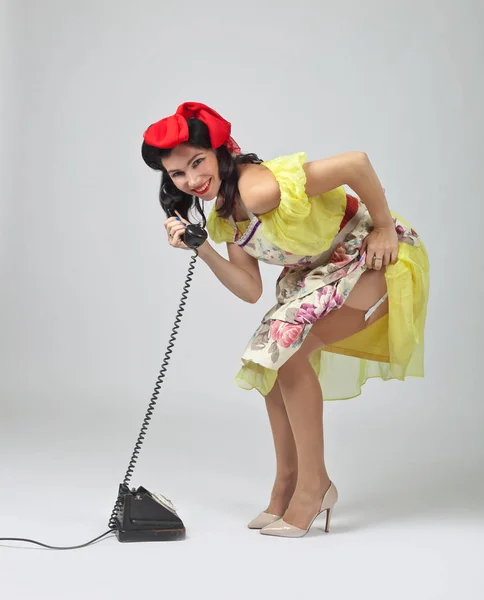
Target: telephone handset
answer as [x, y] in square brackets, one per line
[194, 235]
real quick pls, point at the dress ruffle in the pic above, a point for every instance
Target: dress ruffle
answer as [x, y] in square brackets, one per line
[318, 216]
[220, 230]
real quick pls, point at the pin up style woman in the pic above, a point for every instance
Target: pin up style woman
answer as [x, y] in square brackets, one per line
[351, 297]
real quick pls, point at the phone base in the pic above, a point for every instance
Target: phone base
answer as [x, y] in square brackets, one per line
[146, 517]
[150, 535]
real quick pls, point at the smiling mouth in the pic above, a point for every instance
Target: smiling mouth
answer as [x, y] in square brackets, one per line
[203, 188]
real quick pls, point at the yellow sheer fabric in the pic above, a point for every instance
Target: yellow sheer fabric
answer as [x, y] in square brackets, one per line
[391, 348]
[318, 217]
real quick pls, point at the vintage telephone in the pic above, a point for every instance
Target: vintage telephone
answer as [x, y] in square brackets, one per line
[139, 515]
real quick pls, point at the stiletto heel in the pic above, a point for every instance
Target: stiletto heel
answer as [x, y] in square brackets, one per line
[283, 529]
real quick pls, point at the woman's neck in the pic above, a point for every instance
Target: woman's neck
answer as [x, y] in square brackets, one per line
[239, 213]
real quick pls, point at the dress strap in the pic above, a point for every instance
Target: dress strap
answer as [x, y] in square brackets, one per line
[375, 306]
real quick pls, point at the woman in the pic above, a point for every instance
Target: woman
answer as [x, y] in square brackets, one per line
[351, 297]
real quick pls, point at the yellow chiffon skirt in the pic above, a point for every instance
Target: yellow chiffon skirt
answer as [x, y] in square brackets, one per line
[391, 348]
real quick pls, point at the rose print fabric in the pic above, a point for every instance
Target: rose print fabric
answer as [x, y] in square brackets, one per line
[308, 288]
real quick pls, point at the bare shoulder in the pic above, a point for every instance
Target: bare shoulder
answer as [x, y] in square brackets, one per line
[259, 189]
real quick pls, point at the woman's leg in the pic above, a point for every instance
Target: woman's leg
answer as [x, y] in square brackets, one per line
[302, 394]
[303, 399]
[286, 455]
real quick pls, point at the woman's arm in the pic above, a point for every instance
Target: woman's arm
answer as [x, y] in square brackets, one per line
[240, 274]
[260, 192]
[350, 168]
[355, 170]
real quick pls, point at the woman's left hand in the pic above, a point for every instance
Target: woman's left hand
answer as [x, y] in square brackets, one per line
[381, 246]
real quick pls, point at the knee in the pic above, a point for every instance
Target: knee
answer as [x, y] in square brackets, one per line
[292, 370]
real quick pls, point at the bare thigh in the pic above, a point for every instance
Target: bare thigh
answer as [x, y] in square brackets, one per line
[350, 318]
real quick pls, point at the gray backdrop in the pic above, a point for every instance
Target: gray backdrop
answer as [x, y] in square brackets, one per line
[90, 289]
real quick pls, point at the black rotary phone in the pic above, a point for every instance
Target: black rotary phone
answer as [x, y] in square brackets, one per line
[139, 515]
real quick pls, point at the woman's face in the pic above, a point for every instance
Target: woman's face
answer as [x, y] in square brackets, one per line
[194, 170]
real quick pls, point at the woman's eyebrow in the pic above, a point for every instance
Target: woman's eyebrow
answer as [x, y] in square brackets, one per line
[193, 158]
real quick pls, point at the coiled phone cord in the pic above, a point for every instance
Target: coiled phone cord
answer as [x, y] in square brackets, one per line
[151, 407]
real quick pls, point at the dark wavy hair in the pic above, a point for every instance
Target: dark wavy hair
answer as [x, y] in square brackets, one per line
[198, 135]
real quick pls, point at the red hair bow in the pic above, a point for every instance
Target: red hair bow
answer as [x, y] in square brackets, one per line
[171, 131]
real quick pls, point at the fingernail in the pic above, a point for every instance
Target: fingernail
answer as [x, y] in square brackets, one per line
[185, 224]
[178, 218]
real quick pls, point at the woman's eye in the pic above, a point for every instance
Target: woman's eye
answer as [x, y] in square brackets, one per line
[194, 164]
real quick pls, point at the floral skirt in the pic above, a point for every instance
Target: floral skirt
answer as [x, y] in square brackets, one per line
[392, 347]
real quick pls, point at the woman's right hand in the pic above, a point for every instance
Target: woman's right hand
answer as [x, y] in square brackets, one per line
[175, 227]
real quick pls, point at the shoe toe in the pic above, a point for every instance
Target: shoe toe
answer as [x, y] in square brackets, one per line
[262, 520]
[282, 529]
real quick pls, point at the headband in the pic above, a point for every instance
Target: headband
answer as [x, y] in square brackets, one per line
[173, 130]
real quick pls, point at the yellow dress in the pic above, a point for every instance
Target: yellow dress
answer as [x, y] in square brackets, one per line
[317, 242]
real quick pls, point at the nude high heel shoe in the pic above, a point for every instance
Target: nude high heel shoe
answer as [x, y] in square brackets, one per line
[283, 529]
[262, 520]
